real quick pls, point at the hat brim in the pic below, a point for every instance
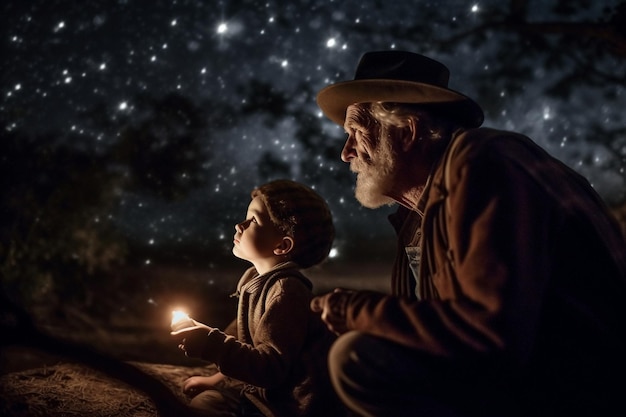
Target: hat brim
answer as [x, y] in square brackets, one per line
[335, 99]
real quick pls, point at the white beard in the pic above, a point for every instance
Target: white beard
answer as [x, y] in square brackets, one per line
[375, 179]
[369, 193]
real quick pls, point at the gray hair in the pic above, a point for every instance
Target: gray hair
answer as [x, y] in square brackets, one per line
[431, 126]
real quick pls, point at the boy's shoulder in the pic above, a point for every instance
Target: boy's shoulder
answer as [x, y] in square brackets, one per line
[289, 277]
[290, 286]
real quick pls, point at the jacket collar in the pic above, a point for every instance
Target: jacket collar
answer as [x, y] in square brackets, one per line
[434, 190]
[253, 282]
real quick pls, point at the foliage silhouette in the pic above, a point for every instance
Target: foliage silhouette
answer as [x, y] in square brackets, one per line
[57, 233]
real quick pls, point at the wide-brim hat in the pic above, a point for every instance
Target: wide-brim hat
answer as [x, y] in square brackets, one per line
[400, 77]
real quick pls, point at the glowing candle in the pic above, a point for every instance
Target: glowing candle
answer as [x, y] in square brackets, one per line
[180, 320]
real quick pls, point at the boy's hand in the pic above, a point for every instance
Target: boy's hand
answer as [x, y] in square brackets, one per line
[196, 384]
[333, 307]
[187, 325]
[194, 341]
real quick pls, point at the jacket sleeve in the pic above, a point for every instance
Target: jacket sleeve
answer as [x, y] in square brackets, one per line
[231, 329]
[279, 338]
[489, 263]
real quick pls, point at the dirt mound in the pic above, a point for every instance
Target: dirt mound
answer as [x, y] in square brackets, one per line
[69, 389]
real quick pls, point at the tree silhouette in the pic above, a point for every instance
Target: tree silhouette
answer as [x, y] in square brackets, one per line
[57, 233]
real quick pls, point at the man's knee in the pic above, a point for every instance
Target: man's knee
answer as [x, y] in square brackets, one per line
[376, 377]
[343, 356]
[360, 367]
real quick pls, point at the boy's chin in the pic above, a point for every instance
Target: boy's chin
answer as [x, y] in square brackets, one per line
[235, 252]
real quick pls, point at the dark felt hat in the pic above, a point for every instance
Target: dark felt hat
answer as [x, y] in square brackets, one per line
[400, 77]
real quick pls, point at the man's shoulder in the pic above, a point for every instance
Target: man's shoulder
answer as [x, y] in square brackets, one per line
[485, 135]
[488, 152]
[485, 143]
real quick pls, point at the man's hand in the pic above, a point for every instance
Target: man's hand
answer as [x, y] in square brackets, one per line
[194, 342]
[333, 307]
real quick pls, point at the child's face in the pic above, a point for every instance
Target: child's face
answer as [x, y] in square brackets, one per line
[256, 237]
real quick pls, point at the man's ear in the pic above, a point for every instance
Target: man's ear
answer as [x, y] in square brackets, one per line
[410, 135]
[285, 246]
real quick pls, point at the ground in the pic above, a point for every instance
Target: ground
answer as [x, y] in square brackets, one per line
[79, 379]
[70, 389]
[119, 366]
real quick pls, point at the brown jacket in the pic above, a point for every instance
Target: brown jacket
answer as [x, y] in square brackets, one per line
[520, 260]
[281, 346]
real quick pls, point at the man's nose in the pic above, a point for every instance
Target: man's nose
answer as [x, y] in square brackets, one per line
[239, 227]
[349, 151]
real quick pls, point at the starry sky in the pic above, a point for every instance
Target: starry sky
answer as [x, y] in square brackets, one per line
[85, 72]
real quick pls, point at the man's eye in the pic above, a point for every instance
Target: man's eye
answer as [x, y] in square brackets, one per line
[360, 133]
[353, 133]
[253, 220]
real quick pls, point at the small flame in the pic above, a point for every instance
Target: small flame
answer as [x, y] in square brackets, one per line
[179, 316]
[181, 322]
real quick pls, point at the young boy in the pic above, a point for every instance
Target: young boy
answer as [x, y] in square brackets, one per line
[275, 360]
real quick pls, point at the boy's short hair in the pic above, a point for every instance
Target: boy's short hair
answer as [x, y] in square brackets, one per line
[302, 214]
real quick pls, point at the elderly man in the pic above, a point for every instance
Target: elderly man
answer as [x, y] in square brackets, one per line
[509, 285]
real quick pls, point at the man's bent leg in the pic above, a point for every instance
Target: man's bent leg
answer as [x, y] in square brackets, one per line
[375, 377]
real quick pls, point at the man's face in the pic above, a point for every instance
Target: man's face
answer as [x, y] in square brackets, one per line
[371, 157]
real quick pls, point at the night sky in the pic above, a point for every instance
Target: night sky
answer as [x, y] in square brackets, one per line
[85, 72]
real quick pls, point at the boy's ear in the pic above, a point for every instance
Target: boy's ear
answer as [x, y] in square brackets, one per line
[285, 246]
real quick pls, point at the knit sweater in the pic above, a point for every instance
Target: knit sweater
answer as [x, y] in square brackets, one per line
[281, 346]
